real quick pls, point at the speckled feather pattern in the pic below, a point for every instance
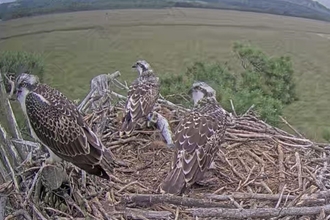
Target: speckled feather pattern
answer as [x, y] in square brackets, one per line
[58, 124]
[196, 138]
[142, 96]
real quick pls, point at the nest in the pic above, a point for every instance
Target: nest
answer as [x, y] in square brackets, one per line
[260, 172]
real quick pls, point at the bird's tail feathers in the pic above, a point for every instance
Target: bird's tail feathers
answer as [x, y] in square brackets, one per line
[110, 162]
[127, 125]
[174, 183]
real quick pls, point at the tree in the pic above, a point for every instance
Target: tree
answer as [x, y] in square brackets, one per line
[265, 82]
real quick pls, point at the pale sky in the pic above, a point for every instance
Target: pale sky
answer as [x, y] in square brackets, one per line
[324, 2]
[4, 1]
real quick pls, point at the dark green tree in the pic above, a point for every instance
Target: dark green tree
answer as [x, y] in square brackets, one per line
[264, 81]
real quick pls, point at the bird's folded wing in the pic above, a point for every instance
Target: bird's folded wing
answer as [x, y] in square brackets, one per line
[141, 99]
[58, 124]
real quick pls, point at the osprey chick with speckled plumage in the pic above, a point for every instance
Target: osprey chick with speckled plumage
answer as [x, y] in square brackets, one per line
[141, 98]
[197, 138]
[55, 121]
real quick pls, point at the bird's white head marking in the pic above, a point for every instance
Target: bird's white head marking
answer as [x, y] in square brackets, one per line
[24, 84]
[142, 66]
[201, 90]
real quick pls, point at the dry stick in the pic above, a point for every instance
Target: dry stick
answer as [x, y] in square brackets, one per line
[233, 108]
[17, 213]
[291, 127]
[298, 162]
[127, 140]
[281, 196]
[247, 111]
[177, 212]
[86, 99]
[258, 213]
[151, 199]
[127, 185]
[10, 117]
[58, 212]
[101, 209]
[34, 182]
[3, 202]
[321, 174]
[281, 167]
[248, 196]
[38, 212]
[233, 169]
[12, 172]
[132, 214]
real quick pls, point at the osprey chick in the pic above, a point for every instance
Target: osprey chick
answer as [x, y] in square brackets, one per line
[141, 98]
[197, 137]
[55, 121]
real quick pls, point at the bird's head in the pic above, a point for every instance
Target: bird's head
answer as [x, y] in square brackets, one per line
[201, 90]
[141, 66]
[24, 84]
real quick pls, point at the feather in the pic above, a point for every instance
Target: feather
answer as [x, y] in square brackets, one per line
[196, 138]
[142, 96]
[57, 123]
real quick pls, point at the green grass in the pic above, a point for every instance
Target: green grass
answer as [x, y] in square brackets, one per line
[77, 46]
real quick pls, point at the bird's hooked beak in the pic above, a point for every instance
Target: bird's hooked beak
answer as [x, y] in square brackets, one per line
[134, 66]
[190, 91]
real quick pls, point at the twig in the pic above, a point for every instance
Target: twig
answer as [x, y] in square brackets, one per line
[233, 107]
[126, 186]
[292, 128]
[298, 162]
[35, 181]
[38, 212]
[280, 167]
[177, 211]
[322, 173]
[17, 213]
[86, 99]
[247, 111]
[281, 196]
[3, 202]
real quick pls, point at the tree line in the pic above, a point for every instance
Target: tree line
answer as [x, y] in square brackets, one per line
[24, 8]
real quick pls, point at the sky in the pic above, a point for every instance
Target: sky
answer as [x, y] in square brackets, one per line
[4, 1]
[326, 3]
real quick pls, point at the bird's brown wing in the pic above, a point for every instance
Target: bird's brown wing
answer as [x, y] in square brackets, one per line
[141, 99]
[196, 140]
[58, 125]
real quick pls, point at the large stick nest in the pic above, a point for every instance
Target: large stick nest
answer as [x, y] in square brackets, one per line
[260, 172]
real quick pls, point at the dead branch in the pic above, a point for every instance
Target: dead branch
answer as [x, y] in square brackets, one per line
[11, 120]
[258, 213]
[152, 199]
[142, 214]
[3, 202]
[248, 196]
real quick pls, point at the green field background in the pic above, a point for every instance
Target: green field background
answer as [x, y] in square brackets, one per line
[78, 46]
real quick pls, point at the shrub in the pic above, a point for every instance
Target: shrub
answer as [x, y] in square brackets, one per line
[265, 82]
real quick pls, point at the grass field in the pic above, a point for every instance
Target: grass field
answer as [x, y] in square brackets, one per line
[77, 46]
